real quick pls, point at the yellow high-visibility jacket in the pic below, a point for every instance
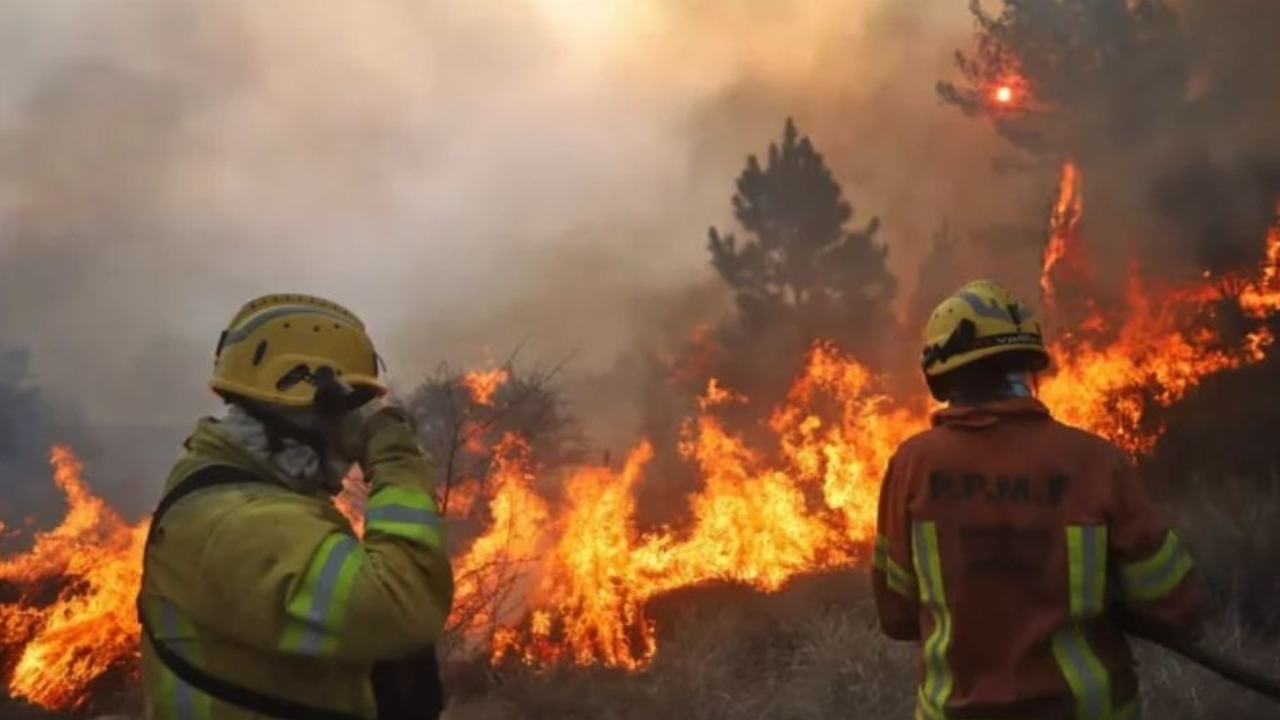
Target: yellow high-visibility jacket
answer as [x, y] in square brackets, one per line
[269, 589]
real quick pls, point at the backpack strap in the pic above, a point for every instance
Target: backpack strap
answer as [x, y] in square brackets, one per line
[251, 700]
[202, 479]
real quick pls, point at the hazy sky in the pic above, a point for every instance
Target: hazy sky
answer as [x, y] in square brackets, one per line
[466, 174]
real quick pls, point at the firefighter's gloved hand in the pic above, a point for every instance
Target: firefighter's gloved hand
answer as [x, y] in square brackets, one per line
[366, 432]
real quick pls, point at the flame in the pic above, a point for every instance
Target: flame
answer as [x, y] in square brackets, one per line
[1064, 223]
[846, 456]
[756, 521]
[91, 564]
[1261, 297]
[1108, 388]
[486, 577]
[568, 580]
[484, 384]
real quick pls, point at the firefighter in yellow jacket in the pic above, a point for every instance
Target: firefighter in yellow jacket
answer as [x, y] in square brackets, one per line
[257, 599]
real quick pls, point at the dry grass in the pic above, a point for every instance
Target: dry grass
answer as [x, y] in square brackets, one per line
[808, 653]
[803, 656]
[1233, 528]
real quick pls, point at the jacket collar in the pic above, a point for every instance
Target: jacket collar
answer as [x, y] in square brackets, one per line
[211, 440]
[990, 413]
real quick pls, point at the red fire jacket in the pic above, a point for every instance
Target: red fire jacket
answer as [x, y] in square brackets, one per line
[1004, 540]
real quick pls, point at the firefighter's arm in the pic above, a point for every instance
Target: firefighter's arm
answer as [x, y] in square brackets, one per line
[1156, 578]
[285, 573]
[892, 578]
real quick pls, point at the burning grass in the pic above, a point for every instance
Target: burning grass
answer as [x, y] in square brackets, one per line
[811, 651]
[91, 566]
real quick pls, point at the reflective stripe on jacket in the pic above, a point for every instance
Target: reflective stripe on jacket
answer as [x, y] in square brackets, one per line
[1003, 539]
[269, 589]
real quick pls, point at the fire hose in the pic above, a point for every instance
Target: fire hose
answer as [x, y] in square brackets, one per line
[1227, 668]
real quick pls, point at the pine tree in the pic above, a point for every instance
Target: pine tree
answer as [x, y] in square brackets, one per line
[798, 264]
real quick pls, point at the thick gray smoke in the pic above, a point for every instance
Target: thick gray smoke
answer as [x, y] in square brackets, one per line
[1223, 188]
[28, 425]
[1183, 146]
[466, 175]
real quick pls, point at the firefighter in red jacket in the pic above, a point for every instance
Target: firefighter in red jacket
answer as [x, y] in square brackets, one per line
[1011, 544]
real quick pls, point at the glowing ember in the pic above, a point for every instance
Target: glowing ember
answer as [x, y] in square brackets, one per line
[1008, 92]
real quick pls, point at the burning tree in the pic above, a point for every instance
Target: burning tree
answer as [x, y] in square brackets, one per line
[462, 417]
[490, 432]
[1168, 115]
[1054, 75]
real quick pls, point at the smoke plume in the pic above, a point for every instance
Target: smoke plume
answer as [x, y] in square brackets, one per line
[1222, 192]
[468, 176]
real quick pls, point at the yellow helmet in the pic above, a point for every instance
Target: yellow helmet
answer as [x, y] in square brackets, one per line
[276, 343]
[981, 320]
